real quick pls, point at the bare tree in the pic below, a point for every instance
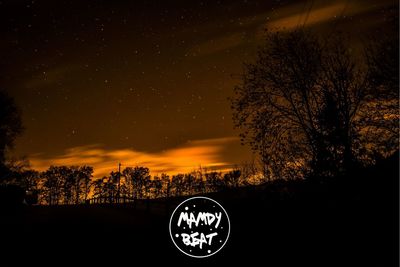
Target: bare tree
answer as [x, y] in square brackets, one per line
[299, 104]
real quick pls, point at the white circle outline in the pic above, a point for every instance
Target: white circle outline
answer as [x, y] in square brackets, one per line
[227, 237]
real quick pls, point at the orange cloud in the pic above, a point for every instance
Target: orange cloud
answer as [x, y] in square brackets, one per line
[316, 15]
[186, 158]
[288, 18]
[284, 18]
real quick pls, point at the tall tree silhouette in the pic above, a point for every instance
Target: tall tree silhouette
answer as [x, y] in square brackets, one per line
[166, 183]
[10, 127]
[53, 182]
[301, 104]
[137, 178]
[178, 183]
[157, 185]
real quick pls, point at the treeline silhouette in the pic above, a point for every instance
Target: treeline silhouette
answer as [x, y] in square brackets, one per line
[66, 185]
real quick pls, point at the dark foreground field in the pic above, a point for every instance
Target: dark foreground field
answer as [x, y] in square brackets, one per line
[346, 224]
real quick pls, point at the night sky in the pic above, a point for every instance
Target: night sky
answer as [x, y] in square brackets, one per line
[146, 82]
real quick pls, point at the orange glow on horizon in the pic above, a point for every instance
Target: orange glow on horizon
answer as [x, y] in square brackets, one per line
[205, 153]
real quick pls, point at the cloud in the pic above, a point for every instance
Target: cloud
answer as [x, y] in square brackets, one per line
[316, 15]
[186, 158]
[289, 17]
[285, 18]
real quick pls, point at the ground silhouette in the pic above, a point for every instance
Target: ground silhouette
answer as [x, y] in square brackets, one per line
[349, 221]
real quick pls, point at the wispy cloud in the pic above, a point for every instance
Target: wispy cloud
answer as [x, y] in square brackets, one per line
[309, 15]
[251, 29]
[205, 153]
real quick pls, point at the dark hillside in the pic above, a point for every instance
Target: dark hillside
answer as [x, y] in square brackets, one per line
[350, 222]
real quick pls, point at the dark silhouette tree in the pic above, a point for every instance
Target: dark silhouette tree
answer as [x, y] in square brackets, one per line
[10, 128]
[147, 185]
[112, 187]
[52, 186]
[99, 189]
[249, 173]
[300, 105]
[213, 181]
[137, 178]
[189, 183]
[178, 184]
[85, 181]
[29, 180]
[157, 186]
[68, 178]
[65, 185]
[80, 180]
[198, 186]
[166, 184]
[21, 175]
[232, 179]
